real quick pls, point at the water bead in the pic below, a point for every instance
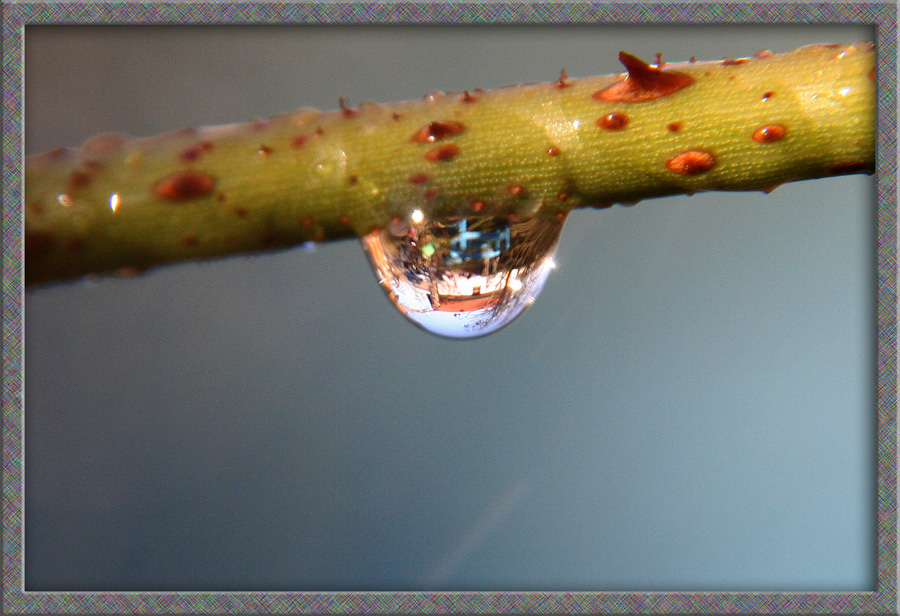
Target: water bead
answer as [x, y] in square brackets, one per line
[463, 277]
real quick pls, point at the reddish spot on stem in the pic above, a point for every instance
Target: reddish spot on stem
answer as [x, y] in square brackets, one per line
[477, 206]
[221, 197]
[240, 212]
[613, 121]
[395, 116]
[353, 180]
[418, 178]
[553, 151]
[194, 152]
[298, 142]
[643, 82]
[872, 75]
[436, 131]
[320, 131]
[190, 240]
[184, 185]
[443, 153]
[691, 162]
[78, 179]
[515, 189]
[345, 220]
[307, 222]
[769, 133]
[674, 127]
[767, 95]
[264, 150]
[563, 195]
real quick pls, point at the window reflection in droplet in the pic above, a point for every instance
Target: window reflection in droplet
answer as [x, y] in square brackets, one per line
[463, 277]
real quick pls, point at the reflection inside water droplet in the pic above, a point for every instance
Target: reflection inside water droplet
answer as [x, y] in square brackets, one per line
[463, 277]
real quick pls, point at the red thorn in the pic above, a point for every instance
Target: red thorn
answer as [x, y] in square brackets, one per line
[643, 82]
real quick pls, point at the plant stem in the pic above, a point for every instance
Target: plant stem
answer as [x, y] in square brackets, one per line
[119, 204]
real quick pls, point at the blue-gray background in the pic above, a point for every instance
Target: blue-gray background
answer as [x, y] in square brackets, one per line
[687, 406]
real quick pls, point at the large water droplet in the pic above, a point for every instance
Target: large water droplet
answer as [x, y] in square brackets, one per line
[463, 277]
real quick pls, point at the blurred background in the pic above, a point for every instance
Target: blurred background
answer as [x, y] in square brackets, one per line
[689, 405]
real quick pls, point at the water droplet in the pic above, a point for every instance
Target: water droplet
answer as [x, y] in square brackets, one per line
[466, 276]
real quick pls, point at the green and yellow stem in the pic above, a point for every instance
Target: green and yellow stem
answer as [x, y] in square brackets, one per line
[119, 204]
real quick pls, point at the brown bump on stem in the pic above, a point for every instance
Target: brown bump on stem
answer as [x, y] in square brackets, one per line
[344, 219]
[643, 82]
[563, 195]
[515, 189]
[194, 152]
[613, 121]
[553, 151]
[438, 130]
[320, 131]
[184, 185]
[467, 97]
[418, 178]
[37, 244]
[190, 241]
[727, 61]
[298, 141]
[770, 133]
[693, 60]
[221, 197]
[477, 206]
[762, 54]
[78, 179]
[691, 162]
[353, 180]
[674, 127]
[767, 95]
[563, 81]
[307, 221]
[442, 154]
[264, 150]
[240, 212]
[431, 193]
[395, 116]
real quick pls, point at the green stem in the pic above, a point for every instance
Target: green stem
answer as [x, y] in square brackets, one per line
[122, 205]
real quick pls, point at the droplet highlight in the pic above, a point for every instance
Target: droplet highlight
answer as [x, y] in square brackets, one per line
[463, 277]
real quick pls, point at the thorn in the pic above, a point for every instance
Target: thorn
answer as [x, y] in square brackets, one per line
[562, 82]
[345, 108]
